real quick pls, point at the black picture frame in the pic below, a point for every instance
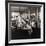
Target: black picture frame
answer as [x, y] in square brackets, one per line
[6, 35]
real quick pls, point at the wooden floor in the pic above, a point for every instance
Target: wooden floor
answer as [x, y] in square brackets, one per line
[25, 35]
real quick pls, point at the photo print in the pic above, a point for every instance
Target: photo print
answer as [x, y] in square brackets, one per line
[25, 22]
